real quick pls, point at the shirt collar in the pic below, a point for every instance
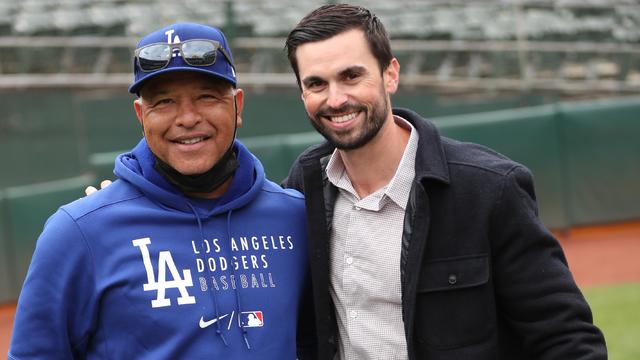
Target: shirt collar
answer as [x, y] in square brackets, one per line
[399, 187]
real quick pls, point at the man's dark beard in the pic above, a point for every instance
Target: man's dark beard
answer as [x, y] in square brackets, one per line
[373, 124]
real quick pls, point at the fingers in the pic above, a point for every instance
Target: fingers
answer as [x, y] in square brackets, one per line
[105, 183]
[91, 189]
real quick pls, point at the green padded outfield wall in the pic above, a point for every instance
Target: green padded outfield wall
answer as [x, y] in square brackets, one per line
[7, 266]
[585, 156]
[27, 208]
[65, 125]
[602, 144]
[277, 152]
[572, 150]
[40, 137]
[110, 121]
[50, 134]
[528, 136]
[439, 105]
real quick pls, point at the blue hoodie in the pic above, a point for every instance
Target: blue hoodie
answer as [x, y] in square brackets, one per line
[140, 271]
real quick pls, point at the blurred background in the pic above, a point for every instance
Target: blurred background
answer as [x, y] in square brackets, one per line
[554, 84]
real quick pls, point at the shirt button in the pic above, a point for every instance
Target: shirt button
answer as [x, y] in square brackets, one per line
[356, 207]
[354, 314]
[453, 279]
[349, 260]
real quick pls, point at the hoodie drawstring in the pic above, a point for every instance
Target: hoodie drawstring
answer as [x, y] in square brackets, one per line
[213, 295]
[238, 302]
[233, 270]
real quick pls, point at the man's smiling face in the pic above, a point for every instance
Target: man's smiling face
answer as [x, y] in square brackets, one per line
[345, 93]
[188, 119]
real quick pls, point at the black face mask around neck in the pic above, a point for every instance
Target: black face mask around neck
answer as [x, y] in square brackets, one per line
[201, 183]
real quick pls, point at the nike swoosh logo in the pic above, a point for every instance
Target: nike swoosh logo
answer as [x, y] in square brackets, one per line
[204, 324]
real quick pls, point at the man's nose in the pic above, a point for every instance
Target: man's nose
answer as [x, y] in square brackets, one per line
[336, 97]
[188, 114]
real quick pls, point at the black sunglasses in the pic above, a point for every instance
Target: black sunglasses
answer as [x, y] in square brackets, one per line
[197, 52]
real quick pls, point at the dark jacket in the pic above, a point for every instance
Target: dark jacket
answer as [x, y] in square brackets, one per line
[482, 278]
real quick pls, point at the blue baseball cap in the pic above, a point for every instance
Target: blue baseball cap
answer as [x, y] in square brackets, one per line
[180, 32]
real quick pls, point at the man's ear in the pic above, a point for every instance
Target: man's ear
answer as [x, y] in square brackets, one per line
[392, 76]
[137, 106]
[239, 103]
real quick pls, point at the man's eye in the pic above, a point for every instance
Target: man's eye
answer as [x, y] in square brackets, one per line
[352, 76]
[163, 102]
[314, 85]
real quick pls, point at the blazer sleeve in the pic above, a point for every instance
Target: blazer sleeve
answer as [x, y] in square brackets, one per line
[535, 289]
[56, 307]
[307, 346]
[294, 179]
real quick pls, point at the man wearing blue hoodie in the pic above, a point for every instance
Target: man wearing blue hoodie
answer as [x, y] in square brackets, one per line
[192, 253]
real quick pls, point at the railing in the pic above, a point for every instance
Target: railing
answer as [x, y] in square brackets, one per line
[574, 67]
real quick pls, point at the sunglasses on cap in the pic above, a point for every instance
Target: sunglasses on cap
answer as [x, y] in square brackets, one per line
[196, 52]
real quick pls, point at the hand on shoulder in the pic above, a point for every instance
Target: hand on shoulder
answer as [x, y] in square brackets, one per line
[103, 184]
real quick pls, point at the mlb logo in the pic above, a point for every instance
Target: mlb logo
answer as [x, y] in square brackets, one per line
[251, 319]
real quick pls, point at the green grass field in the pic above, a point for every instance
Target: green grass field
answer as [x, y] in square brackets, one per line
[616, 310]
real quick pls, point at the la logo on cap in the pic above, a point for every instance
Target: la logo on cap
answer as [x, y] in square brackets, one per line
[176, 40]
